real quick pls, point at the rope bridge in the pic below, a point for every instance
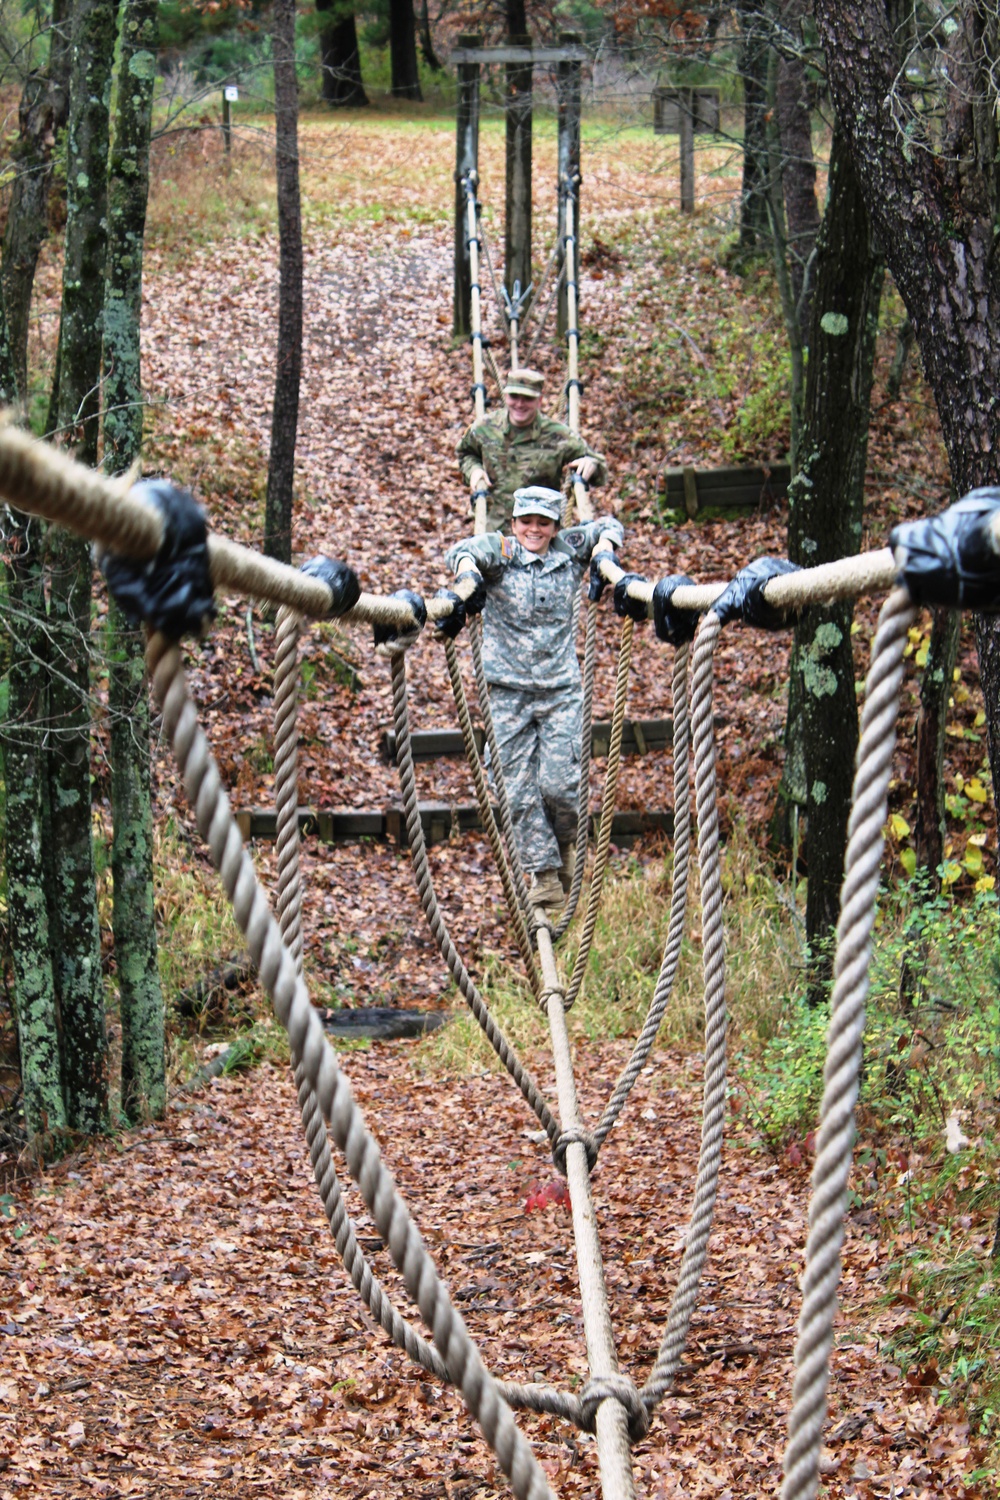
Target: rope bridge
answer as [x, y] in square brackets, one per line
[952, 560]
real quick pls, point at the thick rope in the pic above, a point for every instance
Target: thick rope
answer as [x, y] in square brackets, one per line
[539, 292]
[497, 294]
[607, 812]
[288, 900]
[713, 964]
[489, 821]
[835, 1139]
[586, 739]
[289, 908]
[310, 1049]
[496, 764]
[428, 900]
[540, 327]
[678, 899]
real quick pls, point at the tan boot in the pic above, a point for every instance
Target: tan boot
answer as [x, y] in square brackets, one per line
[546, 889]
[567, 853]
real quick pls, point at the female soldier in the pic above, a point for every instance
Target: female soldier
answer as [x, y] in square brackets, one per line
[532, 580]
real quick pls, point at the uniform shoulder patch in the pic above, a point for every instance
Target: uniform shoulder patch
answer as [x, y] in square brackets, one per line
[508, 547]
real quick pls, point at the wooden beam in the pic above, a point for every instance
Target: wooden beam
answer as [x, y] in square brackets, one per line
[466, 161]
[508, 54]
[638, 737]
[439, 820]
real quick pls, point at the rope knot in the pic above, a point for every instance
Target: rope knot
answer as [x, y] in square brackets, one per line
[548, 993]
[614, 1388]
[538, 921]
[575, 1133]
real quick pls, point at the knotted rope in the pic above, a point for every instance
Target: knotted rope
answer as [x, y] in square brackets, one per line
[835, 1139]
[312, 1053]
[678, 899]
[607, 812]
[514, 908]
[289, 907]
[713, 964]
[496, 764]
[586, 738]
[428, 900]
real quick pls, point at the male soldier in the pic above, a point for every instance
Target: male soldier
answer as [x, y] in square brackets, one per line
[519, 448]
[531, 666]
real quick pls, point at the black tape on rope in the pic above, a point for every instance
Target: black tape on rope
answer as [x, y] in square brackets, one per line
[479, 386]
[172, 592]
[951, 559]
[574, 382]
[675, 626]
[405, 635]
[598, 582]
[342, 581]
[626, 606]
[744, 598]
[450, 625]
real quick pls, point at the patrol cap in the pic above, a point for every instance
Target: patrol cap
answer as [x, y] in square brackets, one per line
[536, 500]
[524, 383]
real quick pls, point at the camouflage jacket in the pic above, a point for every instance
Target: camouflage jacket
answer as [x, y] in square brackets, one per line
[529, 623]
[515, 457]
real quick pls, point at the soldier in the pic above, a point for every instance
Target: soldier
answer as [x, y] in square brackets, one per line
[520, 448]
[532, 580]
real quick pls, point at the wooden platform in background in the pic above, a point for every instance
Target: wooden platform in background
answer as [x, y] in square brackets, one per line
[705, 494]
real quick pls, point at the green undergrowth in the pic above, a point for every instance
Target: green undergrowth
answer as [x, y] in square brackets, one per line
[765, 955]
[927, 1160]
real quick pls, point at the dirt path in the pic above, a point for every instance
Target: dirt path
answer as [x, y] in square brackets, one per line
[173, 1314]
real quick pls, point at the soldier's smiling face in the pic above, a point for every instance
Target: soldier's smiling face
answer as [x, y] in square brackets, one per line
[535, 533]
[522, 409]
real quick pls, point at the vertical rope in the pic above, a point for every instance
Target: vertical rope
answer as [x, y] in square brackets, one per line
[586, 740]
[678, 899]
[489, 821]
[607, 812]
[425, 889]
[310, 1050]
[835, 1139]
[289, 906]
[713, 964]
[496, 764]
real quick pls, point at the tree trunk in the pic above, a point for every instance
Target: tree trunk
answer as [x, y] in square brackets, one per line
[403, 50]
[8, 377]
[143, 1083]
[36, 1003]
[517, 219]
[826, 500]
[42, 114]
[935, 214]
[73, 909]
[340, 60]
[285, 411]
[798, 167]
[752, 68]
[426, 40]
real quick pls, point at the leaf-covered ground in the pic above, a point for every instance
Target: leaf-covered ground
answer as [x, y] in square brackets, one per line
[172, 1314]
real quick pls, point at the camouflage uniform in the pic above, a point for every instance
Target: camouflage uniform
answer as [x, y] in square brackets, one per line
[529, 654]
[514, 457]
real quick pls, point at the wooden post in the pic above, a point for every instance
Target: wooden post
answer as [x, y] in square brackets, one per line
[517, 231]
[568, 84]
[466, 161]
[229, 93]
[686, 108]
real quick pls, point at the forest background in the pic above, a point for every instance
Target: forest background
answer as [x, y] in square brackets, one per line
[691, 357]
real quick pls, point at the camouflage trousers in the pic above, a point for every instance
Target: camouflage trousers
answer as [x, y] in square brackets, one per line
[539, 736]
